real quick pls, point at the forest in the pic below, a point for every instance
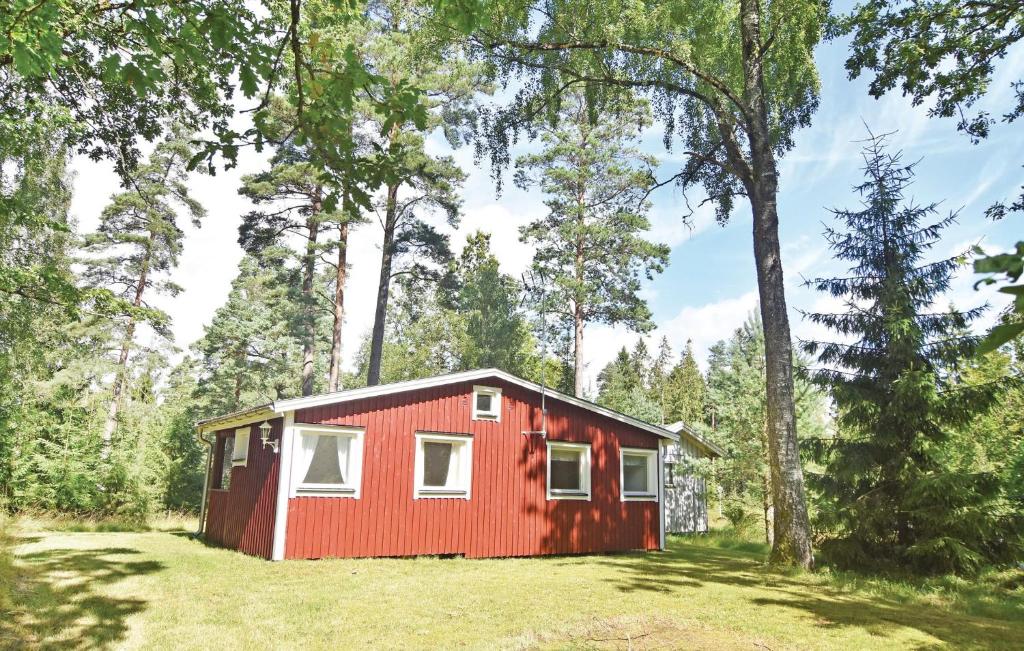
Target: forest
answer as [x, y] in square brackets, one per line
[894, 442]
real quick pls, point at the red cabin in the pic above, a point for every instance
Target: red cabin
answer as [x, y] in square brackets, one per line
[456, 464]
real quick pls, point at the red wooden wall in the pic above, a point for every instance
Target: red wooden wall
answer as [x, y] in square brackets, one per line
[242, 517]
[508, 513]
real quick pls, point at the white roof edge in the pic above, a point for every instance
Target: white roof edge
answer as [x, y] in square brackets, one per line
[241, 417]
[680, 426]
[283, 406]
[280, 407]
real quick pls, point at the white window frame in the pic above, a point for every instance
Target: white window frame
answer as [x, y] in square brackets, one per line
[241, 443]
[651, 495]
[465, 467]
[585, 468]
[495, 413]
[353, 487]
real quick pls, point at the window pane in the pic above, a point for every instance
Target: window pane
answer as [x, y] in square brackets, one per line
[483, 402]
[225, 464]
[565, 470]
[634, 473]
[325, 468]
[437, 459]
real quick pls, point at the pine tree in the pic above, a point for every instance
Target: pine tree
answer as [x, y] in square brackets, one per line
[136, 247]
[892, 493]
[293, 192]
[405, 50]
[687, 391]
[590, 245]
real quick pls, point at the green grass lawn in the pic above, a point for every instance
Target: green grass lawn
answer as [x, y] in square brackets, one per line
[162, 589]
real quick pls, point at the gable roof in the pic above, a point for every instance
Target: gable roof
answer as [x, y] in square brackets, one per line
[280, 407]
[679, 427]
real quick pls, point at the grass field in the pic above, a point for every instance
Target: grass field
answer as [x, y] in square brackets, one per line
[164, 590]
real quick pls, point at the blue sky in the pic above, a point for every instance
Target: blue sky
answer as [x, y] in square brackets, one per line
[709, 286]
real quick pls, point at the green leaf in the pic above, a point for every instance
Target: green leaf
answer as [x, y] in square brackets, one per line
[1000, 335]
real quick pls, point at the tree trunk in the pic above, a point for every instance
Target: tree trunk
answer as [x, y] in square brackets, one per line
[578, 354]
[309, 302]
[383, 286]
[333, 383]
[792, 540]
[117, 390]
[577, 313]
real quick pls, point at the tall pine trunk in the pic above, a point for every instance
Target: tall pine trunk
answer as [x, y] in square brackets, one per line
[578, 354]
[117, 390]
[577, 312]
[792, 540]
[334, 379]
[383, 286]
[309, 304]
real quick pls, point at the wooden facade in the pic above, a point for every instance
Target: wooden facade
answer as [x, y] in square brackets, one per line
[241, 516]
[508, 512]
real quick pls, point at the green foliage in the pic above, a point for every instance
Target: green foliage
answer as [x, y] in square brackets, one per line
[590, 247]
[737, 405]
[1011, 265]
[685, 56]
[139, 240]
[947, 51]
[686, 391]
[251, 353]
[473, 321]
[496, 332]
[120, 69]
[896, 489]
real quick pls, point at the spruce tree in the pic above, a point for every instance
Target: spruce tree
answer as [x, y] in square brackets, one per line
[591, 244]
[497, 334]
[892, 493]
[251, 352]
[687, 391]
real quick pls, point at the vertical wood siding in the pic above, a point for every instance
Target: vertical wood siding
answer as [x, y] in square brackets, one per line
[242, 517]
[508, 513]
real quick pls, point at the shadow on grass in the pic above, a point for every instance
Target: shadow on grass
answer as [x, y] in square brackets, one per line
[746, 576]
[55, 601]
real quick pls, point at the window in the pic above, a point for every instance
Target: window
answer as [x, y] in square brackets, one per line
[568, 471]
[240, 450]
[639, 477]
[444, 465]
[486, 403]
[227, 444]
[328, 461]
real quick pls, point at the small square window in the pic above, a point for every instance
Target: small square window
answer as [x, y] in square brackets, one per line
[327, 461]
[486, 403]
[568, 471]
[444, 465]
[639, 478]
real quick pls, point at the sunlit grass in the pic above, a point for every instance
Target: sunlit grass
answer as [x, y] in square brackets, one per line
[166, 590]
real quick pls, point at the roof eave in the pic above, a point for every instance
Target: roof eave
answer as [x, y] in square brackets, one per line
[293, 404]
